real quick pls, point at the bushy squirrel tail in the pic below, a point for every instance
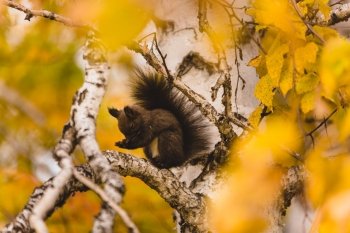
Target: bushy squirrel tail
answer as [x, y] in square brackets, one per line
[151, 91]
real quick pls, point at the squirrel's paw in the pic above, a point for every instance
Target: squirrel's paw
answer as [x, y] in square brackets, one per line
[120, 144]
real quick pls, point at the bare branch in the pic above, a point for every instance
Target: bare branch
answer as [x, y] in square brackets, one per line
[21, 222]
[194, 59]
[43, 205]
[84, 113]
[340, 14]
[230, 10]
[191, 206]
[46, 14]
[291, 186]
[224, 79]
[324, 122]
[14, 98]
[122, 213]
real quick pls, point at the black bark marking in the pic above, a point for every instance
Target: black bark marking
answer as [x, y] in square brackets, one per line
[80, 137]
[73, 116]
[82, 96]
[91, 116]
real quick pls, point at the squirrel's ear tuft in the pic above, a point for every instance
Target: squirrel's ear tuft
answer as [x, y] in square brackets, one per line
[114, 112]
[130, 112]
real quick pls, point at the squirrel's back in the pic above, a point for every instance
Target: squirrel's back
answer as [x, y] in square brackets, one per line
[152, 91]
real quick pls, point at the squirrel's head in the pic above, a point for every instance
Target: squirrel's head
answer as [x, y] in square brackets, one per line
[130, 119]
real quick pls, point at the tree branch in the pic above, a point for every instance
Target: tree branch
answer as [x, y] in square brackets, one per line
[84, 112]
[339, 14]
[225, 78]
[306, 23]
[191, 206]
[122, 213]
[21, 222]
[14, 98]
[46, 14]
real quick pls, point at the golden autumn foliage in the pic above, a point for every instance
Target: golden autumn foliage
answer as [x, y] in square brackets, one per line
[301, 76]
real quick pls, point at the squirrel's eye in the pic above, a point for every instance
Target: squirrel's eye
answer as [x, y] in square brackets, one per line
[132, 125]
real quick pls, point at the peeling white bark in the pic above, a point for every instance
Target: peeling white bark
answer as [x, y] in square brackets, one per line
[84, 113]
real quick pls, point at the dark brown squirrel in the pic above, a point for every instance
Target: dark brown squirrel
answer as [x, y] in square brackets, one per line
[163, 121]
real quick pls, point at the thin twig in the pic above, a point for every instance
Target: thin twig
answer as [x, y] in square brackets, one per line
[230, 10]
[225, 79]
[306, 24]
[336, 3]
[122, 213]
[322, 123]
[46, 14]
[163, 58]
[239, 77]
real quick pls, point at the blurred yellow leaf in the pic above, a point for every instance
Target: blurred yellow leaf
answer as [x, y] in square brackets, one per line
[240, 206]
[326, 33]
[279, 14]
[121, 21]
[272, 142]
[335, 66]
[343, 123]
[335, 214]
[327, 176]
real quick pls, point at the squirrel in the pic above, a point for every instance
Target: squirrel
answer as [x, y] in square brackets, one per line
[163, 121]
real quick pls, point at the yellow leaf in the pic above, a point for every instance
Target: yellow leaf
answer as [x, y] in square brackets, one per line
[326, 32]
[255, 62]
[259, 64]
[274, 63]
[255, 117]
[343, 123]
[335, 67]
[308, 102]
[121, 21]
[335, 214]
[304, 56]
[272, 142]
[286, 82]
[320, 184]
[279, 14]
[264, 91]
[306, 83]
